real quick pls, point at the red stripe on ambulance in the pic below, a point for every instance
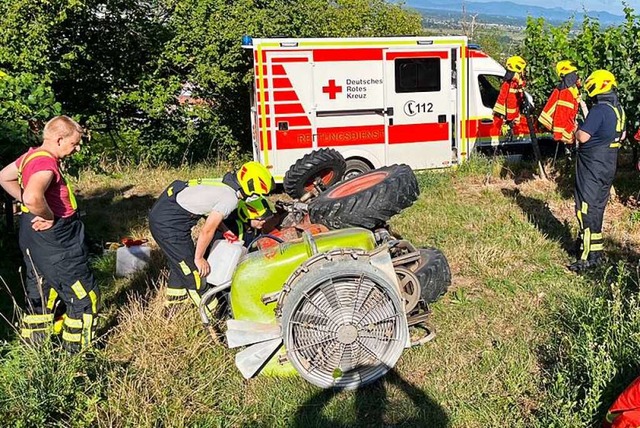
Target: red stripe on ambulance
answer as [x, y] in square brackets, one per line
[418, 133]
[437, 54]
[294, 139]
[362, 54]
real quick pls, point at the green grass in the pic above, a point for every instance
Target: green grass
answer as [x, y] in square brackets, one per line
[520, 341]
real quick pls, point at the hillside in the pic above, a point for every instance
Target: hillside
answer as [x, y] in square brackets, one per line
[515, 341]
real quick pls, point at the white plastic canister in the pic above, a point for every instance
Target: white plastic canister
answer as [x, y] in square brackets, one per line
[130, 260]
[223, 259]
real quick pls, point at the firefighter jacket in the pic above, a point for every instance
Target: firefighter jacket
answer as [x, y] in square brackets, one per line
[559, 114]
[510, 98]
[625, 411]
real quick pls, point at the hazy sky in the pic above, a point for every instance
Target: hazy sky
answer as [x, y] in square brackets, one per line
[614, 6]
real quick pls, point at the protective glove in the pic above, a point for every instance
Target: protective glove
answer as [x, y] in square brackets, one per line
[230, 236]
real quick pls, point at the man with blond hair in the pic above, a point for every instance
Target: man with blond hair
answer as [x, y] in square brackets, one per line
[52, 240]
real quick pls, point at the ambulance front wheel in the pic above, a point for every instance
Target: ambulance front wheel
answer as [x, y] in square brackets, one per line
[355, 167]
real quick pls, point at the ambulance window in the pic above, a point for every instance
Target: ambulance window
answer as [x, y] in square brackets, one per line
[489, 85]
[417, 75]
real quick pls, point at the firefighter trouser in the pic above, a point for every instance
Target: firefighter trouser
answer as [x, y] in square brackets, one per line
[171, 226]
[595, 171]
[58, 267]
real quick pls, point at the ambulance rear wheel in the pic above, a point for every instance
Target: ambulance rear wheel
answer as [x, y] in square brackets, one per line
[325, 165]
[368, 200]
[355, 167]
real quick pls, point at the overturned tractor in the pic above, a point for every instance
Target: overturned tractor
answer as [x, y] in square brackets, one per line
[329, 292]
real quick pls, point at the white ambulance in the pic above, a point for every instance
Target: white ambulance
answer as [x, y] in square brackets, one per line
[422, 101]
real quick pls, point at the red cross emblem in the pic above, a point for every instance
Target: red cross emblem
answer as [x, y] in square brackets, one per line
[332, 89]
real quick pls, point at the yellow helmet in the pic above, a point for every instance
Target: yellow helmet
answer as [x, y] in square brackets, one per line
[600, 82]
[255, 179]
[516, 64]
[565, 67]
[255, 208]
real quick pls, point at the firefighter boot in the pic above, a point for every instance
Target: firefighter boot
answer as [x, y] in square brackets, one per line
[174, 300]
[595, 258]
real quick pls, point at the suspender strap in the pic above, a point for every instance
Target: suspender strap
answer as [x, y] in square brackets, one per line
[40, 153]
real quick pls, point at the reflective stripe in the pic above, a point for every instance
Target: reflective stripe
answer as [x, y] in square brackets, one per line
[586, 242]
[240, 230]
[94, 301]
[71, 337]
[596, 247]
[87, 329]
[596, 236]
[38, 319]
[565, 103]
[205, 182]
[170, 191]
[195, 297]
[176, 292]
[57, 325]
[27, 332]
[73, 322]
[615, 145]
[51, 301]
[185, 269]
[584, 208]
[196, 278]
[621, 118]
[79, 290]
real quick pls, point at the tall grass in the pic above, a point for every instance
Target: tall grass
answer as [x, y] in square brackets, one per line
[521, 341]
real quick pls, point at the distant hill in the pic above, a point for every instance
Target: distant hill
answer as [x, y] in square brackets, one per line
[510, 11]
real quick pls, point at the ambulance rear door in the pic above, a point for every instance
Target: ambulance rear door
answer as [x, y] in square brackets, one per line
[420, 105]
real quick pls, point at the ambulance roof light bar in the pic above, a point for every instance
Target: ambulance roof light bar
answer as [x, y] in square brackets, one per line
[247, 41]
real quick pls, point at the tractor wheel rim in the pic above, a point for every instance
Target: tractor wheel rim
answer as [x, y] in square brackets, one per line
[358, 184]
[326, 176]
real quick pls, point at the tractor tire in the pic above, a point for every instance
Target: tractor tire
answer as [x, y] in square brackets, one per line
[368, 200]
[328, 164]
[434, 274]
[343, 323]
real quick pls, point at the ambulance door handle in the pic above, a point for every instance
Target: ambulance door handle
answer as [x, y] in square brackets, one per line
[390, 111]
[486, 121]
[442, 118]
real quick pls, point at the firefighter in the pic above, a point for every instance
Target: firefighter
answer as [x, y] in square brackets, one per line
[625, 411]
[506, 111]
[598, 140]
[179, 208]
[559, 114]
[52, 239]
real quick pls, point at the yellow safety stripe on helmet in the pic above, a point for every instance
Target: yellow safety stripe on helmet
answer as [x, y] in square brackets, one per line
[185, 269]
[176, 292]
[565, 104]
[37, 319]
[73, 322]
[71, 337]
[195, 297]
[586, 242]
[584, 208]
[196, 279]
[79, 290]
[94, 301]
[51, 300]
[27, 332]
[87, 329]
[205, 182]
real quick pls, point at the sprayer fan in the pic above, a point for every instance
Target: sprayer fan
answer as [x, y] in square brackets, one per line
[343, 324]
